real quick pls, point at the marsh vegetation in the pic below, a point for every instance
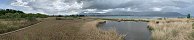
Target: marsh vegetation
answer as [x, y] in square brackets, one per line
[172, 29]
[11, 20]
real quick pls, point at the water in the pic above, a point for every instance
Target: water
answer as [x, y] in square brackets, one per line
[134, 30]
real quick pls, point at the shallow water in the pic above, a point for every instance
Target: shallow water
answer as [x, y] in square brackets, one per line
[134, 30]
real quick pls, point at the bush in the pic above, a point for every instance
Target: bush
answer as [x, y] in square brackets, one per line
[15, 14]
[31, 18]
[59, 18]
[189, 16]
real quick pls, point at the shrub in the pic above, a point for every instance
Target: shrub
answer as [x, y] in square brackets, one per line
[189, 16]
[31, 18]
[58, 18]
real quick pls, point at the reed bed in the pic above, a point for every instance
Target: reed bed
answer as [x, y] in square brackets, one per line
[11, 25]
[94, 33]
[173, 29]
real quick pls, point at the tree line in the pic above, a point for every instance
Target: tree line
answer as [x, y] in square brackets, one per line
[17, 14]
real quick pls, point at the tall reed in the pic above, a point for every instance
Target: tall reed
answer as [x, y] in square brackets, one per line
[171, 30]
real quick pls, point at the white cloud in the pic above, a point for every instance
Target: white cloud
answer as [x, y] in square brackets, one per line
[20, 3]
[63, 7]
[108, 10]
[156, 1]
[100, 12]
[95, 11]
[156, 9]
[90, 10]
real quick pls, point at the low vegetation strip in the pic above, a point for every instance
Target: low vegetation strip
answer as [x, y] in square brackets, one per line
[7, 25]
[142, 20]
[171, 30]
[19, 29]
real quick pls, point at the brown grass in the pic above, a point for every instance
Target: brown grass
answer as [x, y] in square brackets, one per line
[11, 25]
[52, 29]
[97, 34]
[171, 29]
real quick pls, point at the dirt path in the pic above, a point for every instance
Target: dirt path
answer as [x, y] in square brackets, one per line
[49, 29]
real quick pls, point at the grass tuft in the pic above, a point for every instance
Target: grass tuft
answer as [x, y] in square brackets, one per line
[172, 30]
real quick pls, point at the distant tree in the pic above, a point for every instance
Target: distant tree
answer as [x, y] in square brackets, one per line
[59, 15]
[30, 17]
[4, 11]
[189, 16]
[16, 14]
[39, 15]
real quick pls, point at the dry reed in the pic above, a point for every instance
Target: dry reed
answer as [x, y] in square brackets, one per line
[52, 29]
[174, 29]
[97, 34]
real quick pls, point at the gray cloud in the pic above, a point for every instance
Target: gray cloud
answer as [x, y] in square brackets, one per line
[76, 6]
[141, 5]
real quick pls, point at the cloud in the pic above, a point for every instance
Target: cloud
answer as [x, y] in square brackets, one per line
[94, 11]
[20, 3]
[66, 7]
[156, 9]
[140, 5]
[105, 10]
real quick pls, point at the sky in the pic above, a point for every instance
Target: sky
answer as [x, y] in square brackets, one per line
[68, 7]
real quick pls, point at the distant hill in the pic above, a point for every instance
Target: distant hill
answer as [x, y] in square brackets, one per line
[134, 14]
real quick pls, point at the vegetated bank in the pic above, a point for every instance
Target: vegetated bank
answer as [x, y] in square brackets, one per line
[64, 29]
[117, 19]
[11, 20]
[90, 28]
[168, 28]
[172, 29]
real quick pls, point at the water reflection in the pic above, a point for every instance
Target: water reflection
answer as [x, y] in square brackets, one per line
[134, 30]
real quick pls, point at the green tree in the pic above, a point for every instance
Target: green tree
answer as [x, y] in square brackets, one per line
[39, 15]
[4, 11]
[16, 14]
[30, 17]
[189, 16]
